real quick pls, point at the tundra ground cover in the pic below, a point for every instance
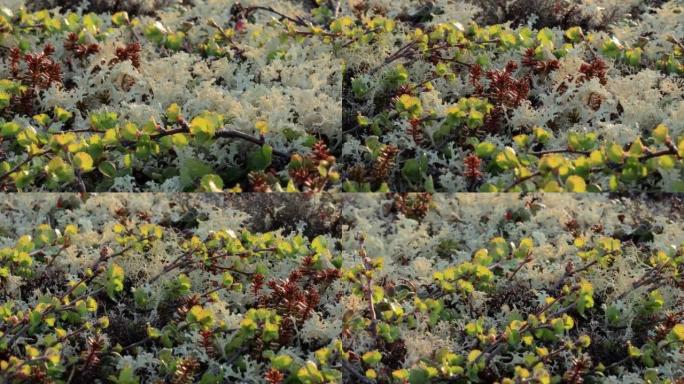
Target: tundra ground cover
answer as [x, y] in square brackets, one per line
[358, 95]
[191, 97]
[368, 288]
[555, 101]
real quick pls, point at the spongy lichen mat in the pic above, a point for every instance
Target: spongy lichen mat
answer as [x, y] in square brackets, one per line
[375, 95]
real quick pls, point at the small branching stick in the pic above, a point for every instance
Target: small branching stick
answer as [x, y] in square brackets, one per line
[368, 290]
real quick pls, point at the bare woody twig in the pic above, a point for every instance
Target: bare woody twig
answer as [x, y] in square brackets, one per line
[369, 286]
[185, 128]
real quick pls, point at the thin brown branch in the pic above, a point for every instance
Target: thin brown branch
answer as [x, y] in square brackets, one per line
[522, 180]
[21, 164]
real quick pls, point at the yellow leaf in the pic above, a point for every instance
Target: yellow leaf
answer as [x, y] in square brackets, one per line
[552, 161]
[83, 161]
[678, 332]
[473, 355]
[637, 148]
[576, 183]
[261, 126]
[660, 133]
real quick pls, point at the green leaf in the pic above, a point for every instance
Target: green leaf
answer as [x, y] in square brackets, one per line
[412, 170]
[612, 315]
[633, 56]
[114, 280]
[551, 161]
[613, 183]
[660, 133]
[615, 153]
[506, 158]
[174, 41]
[227, 279]
[397, 76]
[323, 356]
[359, 87]
[4, 99]
[211, 183]
[270, 331]
[596, 159]
[637, 148]
[104, 120]
[126, 376]
[418, 376]
[309, 374]
[42, 119]
[409, 104]
[542, 135]
[666, 162]
[372, 357]
[612, 48]
[9, 128]
[261, 126]
[179, 140]
[473, 355]
[521, 140]
[475, 119]
[260, 159]
[59, 170]
[91, 22]
[199, 315]
[155, 32]
[62, 114]
[400, 374]
[282, 362]
[173, 112]
[203, 128]
[508, 39]
[107, 168]
[489, 187]
[83, 161]
[545, 37]
[574, 34]
[120, 18]
[484, 149]
[581, 141]
[191, 170]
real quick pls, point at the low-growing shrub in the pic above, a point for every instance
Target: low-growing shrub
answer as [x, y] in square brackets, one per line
[470, 288]
[202, 97]
[344, 96]
[474, 107]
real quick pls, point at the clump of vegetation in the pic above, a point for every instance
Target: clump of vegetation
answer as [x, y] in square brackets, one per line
[91, 99]
[356, 97]
[149, 288]
[134, 7]
[477, 107]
